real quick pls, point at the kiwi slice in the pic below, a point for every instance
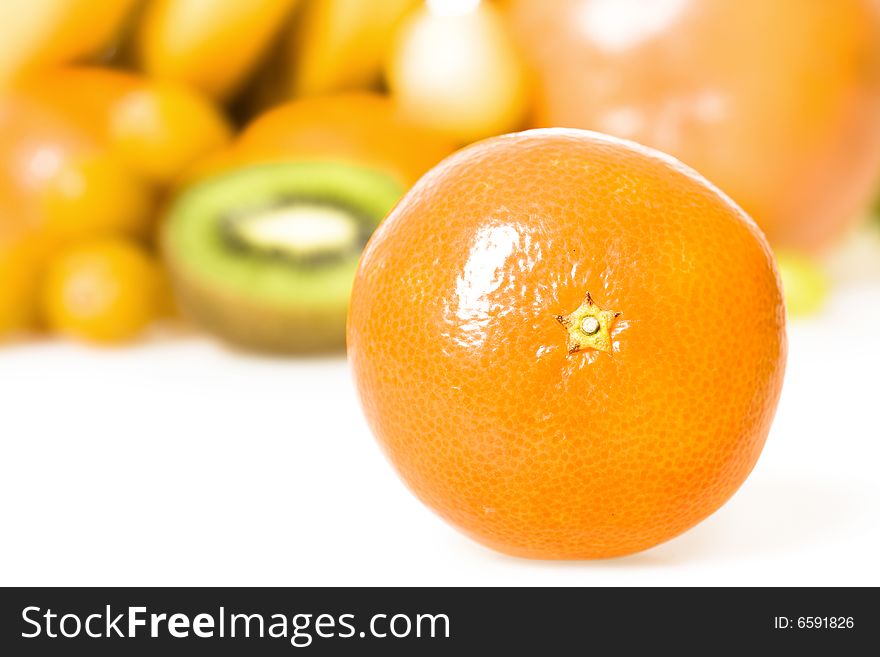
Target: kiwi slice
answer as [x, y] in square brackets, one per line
[265, 256]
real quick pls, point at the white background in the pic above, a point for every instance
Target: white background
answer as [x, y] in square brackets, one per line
[181, 463]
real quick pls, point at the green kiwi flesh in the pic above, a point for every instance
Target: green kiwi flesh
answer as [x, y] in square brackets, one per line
[265, 256]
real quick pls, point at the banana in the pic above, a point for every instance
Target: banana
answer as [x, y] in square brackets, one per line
[42, 33]
[339, 45]
[211, 45]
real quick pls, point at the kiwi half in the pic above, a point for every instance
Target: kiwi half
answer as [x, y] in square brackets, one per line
[265, 256]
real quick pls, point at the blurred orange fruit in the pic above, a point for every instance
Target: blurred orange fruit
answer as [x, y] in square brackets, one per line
[105, 291]
[81, 94]
[363, 129]
[569, 346]
[19, 272]
[162, 129]
[60, 182]
[211, 46]
[775, 102]
[157, 128]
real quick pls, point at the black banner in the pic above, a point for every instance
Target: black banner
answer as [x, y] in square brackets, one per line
[443, 621]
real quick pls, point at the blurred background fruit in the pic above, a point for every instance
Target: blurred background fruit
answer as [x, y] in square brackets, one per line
[156, 128]
[364, 129]
[110, 110]
[212, 46]
[777, 102]
[19, 267]
[163, 128]
[340, 45]
[105, 291]
[804, 282]
[60, 183]
[264, 256]
[454, 67]
[282, 285]
[856, 261]
[41, 33]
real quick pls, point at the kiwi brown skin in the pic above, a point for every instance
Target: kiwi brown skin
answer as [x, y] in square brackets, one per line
[303, 322]
[253, 326]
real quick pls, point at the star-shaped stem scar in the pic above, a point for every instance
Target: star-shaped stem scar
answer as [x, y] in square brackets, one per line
[589, 327]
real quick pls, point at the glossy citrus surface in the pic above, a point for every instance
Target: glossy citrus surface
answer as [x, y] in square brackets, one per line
[776, 102]
[460, 338]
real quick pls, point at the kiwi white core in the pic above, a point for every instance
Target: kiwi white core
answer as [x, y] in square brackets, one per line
[303, 229]
[251, 234]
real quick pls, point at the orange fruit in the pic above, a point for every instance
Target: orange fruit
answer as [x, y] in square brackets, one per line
[105, 291]
[569, 346]
[156, 128]
[19, 272]
[80, 94]
[775, 102]
[363, 129]
[60, 183]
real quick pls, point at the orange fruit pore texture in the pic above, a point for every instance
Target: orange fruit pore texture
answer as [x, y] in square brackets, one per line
[540, 421]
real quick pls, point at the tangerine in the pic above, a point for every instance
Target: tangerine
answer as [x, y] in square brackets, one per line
[363, 129]
[19, 272]
[106, 291]
[157, 128]
[775, 102]
[568, 345]
[60, 182]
